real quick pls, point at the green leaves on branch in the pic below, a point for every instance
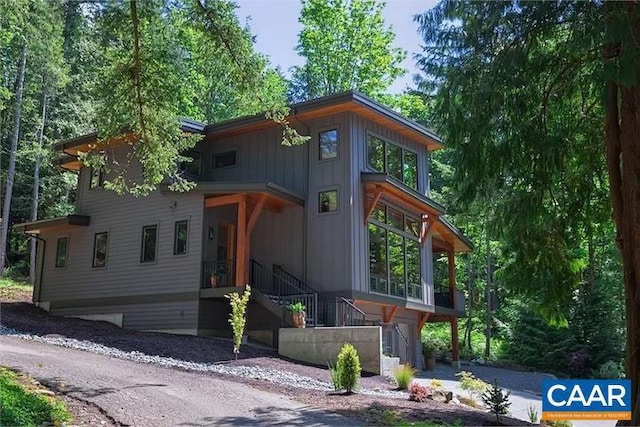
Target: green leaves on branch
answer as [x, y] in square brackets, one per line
[238, 316]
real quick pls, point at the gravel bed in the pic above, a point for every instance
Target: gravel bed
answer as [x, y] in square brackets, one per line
[252, 372]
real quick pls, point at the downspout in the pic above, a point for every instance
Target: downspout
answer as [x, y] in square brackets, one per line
[44, 248]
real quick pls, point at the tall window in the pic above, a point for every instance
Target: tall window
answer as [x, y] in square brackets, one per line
[97, 178]
[61, 252]
[149, 243]
[328, 141]
[180, 237]
[100, 243]
[400, 163]
[394, 253]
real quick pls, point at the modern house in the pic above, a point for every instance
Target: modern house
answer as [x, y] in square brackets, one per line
[343, 223]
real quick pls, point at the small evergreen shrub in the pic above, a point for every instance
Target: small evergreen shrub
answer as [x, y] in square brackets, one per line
[496, 400]
[533, 415]
[238, 316]
[348, 368]
[404, 375]
[608, 370]
[418, 393]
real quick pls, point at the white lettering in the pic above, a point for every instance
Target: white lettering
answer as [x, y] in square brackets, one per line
[596, 396]
[576, 396]
[616, 396]
[550, 395]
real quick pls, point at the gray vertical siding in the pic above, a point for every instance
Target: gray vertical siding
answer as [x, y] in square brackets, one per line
[124, 276]
[328, 235]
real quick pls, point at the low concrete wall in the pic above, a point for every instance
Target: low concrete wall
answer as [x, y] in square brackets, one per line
[322, 345]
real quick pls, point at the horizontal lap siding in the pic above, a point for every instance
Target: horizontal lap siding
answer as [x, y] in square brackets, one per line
[361, 127]
[260, 157]
[329, 234]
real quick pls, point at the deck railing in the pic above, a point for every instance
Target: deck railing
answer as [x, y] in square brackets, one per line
[348, 314]
[218, 273]
[443, 299]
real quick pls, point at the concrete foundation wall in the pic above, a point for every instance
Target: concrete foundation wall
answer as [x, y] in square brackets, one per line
[322, 345]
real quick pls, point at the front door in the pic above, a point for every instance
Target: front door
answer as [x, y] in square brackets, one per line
[225, 265]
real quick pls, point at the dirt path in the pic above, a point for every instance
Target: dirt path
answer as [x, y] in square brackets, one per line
[145, 395]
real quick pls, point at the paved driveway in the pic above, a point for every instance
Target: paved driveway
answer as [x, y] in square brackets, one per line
[525, 388]
[146, 395]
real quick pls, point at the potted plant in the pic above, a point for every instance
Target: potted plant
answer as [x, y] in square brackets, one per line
[213, 280]
[297, 311]
[429, 348]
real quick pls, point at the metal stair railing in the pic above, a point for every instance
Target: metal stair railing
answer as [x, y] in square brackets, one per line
[348, 314]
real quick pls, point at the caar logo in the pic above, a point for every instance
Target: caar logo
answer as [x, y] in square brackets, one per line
[586, 400]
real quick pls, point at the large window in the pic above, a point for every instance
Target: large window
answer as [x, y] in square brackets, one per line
[100, 243]
[61, 252]
[328, 141]
[149, 243]
[394, 253]
[398, 162]
[180, 237]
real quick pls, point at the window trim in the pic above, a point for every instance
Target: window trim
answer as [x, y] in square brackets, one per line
[106, 252]
[155, 254]
[214, 155]
[327, 190]
[66, 254]
[338, 133]
[403, 150]
[175, 238]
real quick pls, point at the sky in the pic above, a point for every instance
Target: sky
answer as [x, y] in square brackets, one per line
[275, 25]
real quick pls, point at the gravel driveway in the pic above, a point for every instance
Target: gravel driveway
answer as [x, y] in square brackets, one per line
[148, 395]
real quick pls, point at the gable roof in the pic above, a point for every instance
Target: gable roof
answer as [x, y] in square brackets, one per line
[345, 101]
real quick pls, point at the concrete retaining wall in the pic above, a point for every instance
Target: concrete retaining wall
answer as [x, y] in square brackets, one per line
[322, 345]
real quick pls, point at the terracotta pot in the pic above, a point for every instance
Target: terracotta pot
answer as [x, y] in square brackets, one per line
[213, 281]
[299, 320]
[430, 363]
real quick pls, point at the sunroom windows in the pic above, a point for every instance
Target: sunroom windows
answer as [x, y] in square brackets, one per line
[394, 253]
[398, 162]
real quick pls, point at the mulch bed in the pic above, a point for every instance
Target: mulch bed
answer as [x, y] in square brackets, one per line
[24, 317]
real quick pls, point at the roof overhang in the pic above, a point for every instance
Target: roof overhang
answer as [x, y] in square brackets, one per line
[36, 227]
[446, 237]
[346, 101]
[277, 197]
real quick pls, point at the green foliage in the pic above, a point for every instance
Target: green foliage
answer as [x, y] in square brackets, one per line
[404, 375]
[296, 307]
[532, 413]
[471, 384]
[435, 383]
[335, 377]
[21, 407]
[496, 400]
[348, 367]
[346, 46]
[13, 289]
[609, 370]
[429, 346]
[238, 316]
[558, 423]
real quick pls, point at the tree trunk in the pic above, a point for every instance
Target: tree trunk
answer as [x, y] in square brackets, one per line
[487, 345]
[11, 171]
[623, 161]
[468, 329]
[36, 189]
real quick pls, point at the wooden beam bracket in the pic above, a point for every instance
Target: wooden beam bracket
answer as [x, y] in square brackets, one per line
[372, 205]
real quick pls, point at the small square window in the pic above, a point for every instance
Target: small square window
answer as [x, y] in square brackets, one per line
[328, 144]
[224, 160]
[149, 243]
[100, 250]
[97, 178]
[328, 201]
[181, 234]
[61, 252]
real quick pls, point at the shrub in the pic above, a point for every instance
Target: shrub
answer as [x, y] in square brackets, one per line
[532, 413]
[579, 363]
[348, 368]
[418, 393]
[238, 316]
[404, 375]
[608, 370]
[335, 378]
[558, 423]
[434, 383]
[496, 400]
[472, 384]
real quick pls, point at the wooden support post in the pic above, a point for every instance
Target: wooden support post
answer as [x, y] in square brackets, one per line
[388, 317]
[427, 223]
[422, 319]
[241, 248]
[455, 352]
[372, 205]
